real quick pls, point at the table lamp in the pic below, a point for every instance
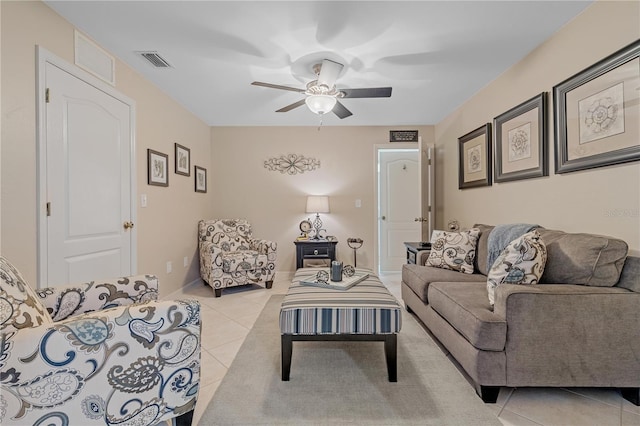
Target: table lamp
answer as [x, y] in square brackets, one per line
[317, 204]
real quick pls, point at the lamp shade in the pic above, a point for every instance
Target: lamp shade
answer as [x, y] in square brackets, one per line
[317, 204]
[320, 104]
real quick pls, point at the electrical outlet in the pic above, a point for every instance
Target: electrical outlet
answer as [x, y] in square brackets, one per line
[169, 267]
[358, 203]
[186, 261]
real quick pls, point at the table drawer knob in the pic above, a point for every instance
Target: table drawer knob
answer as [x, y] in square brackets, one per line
[315, 252]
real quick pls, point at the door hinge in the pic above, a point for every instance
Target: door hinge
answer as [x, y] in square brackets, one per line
[46, 95]
[49, 208]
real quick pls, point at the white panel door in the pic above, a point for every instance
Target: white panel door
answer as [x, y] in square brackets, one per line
[399, 205]
[88, 181]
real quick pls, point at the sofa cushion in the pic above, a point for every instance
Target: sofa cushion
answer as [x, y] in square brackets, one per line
[482, 251]
[242, 260]
[585, 259]
[630, 276]
[418, 278]
[454, 250]
[19, 305]
[521, 262]
[466, 308]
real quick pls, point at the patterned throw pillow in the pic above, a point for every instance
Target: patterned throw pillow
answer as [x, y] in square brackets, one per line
[19, 305]
[453, 250]
[522, 262]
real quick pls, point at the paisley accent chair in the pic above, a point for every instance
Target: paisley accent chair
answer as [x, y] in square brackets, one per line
[230, 256]
[100, 353]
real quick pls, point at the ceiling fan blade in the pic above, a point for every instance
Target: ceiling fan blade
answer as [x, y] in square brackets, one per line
[292, 106]
[341, 111]
[373, 92]
[277, 86]
[329, 72]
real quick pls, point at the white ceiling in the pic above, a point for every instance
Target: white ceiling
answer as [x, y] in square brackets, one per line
[435, 54]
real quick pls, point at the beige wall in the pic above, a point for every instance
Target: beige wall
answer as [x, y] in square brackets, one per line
[167, 227]
[275, 202]
[604, 200]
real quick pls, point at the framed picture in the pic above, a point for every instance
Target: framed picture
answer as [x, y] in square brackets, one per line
[475, 158]
[597, 113]
[183, 160]
[201, 179]
[520, 137]
[158, 168]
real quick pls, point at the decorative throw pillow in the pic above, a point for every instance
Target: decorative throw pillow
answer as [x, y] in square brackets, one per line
[19, 305]
[453, 250]
[522, 262]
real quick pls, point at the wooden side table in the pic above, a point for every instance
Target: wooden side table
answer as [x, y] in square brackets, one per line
[413, 249]
[314, 249]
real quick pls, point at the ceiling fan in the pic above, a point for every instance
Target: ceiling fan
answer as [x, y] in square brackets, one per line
[322, 95]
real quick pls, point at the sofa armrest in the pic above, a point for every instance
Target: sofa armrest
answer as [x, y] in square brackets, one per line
[570, 335]
[74, 299]
[129, 364]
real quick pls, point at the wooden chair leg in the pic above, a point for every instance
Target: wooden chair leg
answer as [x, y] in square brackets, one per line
[268, 284]
[218, 292]
[184, 419]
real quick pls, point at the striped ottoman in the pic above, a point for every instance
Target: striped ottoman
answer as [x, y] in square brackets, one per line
[365, 312]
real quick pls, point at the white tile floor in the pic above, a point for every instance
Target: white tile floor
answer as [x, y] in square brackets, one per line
[227, 320]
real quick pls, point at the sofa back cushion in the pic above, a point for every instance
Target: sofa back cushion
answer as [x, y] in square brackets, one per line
[19, 305]
[585, 259]
[630, 276]
[228, 234]
[482, 251]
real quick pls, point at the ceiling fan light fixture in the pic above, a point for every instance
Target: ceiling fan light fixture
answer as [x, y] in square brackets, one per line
[320, 104]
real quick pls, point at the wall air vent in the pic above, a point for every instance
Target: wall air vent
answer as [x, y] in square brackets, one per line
[155, 59]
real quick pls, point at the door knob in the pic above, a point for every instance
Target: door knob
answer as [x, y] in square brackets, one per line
[384, 218]
[128, 225]
[420, 219]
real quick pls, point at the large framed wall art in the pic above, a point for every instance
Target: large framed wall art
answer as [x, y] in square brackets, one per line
[597, 113]
[474, 151]
[521, 141]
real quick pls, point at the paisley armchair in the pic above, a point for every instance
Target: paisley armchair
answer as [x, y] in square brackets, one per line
[103, 352]
[230, 256]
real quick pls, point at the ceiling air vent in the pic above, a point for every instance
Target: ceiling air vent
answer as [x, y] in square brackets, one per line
[155, 59]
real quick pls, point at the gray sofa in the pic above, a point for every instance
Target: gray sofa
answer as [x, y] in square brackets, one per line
[580, 327]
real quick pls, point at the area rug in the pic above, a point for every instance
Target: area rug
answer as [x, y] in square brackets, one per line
[343, 383]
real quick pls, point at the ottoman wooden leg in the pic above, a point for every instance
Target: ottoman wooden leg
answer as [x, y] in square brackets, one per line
[287, 350]
[391, 352]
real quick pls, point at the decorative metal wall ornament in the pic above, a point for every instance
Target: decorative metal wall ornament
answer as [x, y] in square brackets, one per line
[292, 164]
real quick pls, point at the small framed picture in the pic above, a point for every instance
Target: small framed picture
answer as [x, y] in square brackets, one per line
[474, 158]
[158, 168]
[521, 141]
[201, 179]
[597, 113]
[183, 160]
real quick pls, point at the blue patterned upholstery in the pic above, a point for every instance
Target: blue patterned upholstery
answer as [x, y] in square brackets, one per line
[230, 256]
[109, 353]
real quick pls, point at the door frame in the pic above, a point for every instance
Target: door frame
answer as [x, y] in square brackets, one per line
[396, 146]
[43, 56]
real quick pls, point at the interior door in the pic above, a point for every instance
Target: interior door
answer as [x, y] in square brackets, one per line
[87, 182]
[426, 189]
[398, 205]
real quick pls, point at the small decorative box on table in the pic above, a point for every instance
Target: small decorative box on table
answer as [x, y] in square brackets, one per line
[364, 312]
